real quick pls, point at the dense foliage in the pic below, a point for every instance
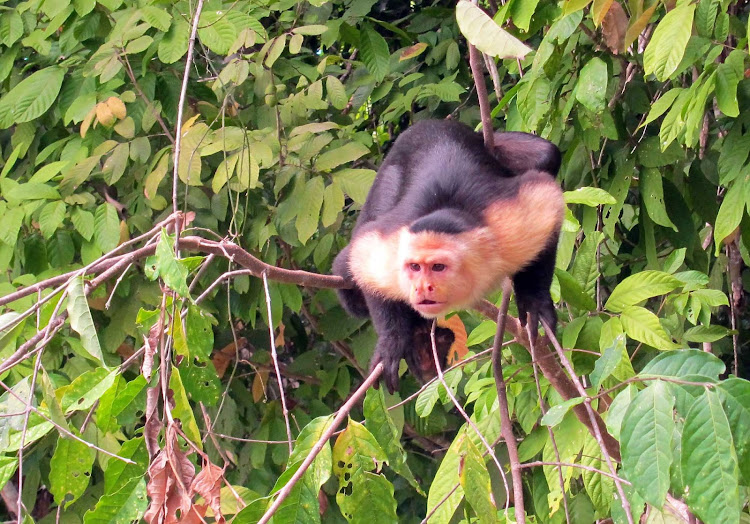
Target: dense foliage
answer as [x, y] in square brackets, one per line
[286, 110]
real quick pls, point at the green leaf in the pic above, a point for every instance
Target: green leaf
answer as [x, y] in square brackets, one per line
[31, 97]
[591, 89]
[709, 462]
[106, 228]
[310, 30]
[609, 361]
[600, 488]
[705, 333]
[642, 325]
[274, 52]
[683, 363]
[667, 46]
[81, 320]
[572, 291]
[10, 224]
[728, 76]
[8, 467]
[589, 196]
[556, 414]
[336, 92]
[482, 31]
[182, 409]
[308, 215]
[652, 194]
[475, 480]
[124, 506]
[639, 287]
[661, 105]
[730, 213]
[119, 473]
[356, 182]
[735, 394]
[646, 439]
[157, 18]
[169, 268]
[70, 470]
[32, 191]
[374, 52]
[217, 32]
[382, 427]
[83, 221]
[446, 491]
[86, 389]
[11, 28]
[341, 155]
[174, 45]
[618, 408]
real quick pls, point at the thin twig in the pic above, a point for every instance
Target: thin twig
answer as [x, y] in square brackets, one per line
[594, 425]
[543, 409]
[62, 429]
[461, 410]
[342, 413]
[506, 427]
[275, 359]
[149, 104]
[181, 104]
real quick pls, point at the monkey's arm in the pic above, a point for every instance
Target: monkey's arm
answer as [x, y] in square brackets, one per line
[352, 299]
[531, 286]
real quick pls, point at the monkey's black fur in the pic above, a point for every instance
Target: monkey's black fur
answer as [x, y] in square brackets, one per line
[438, 176]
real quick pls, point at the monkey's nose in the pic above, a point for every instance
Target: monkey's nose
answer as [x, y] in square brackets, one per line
[430, 289]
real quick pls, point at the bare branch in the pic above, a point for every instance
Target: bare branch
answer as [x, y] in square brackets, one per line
[506, 427]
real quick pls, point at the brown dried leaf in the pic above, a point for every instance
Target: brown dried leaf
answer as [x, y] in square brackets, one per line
[222, 358]
[458, 349]
[170, 473]
[150, 346]
[259, 385]
[152, 426]
[614, 27]
[207, 484]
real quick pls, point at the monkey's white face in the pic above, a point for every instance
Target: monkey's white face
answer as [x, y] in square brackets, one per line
[430, 274]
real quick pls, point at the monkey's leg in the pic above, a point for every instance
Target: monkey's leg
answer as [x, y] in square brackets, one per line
[531, 286]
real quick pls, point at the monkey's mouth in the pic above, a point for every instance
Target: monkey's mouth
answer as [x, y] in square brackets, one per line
[430, 308]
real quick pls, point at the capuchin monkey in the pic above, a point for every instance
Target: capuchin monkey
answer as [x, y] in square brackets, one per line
[446, 220]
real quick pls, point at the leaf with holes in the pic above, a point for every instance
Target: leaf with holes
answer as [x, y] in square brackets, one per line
[86, 389]
[70, 470]
[124, 506]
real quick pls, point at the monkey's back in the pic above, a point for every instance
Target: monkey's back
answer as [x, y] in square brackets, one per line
[435, 164]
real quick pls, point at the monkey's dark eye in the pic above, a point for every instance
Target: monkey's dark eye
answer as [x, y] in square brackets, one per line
[438, 267]
[414, 267]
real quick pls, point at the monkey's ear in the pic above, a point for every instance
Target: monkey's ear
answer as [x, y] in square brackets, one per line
[520, 152]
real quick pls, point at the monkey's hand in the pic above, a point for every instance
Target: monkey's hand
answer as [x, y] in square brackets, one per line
[390, 355]
[535, 308]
